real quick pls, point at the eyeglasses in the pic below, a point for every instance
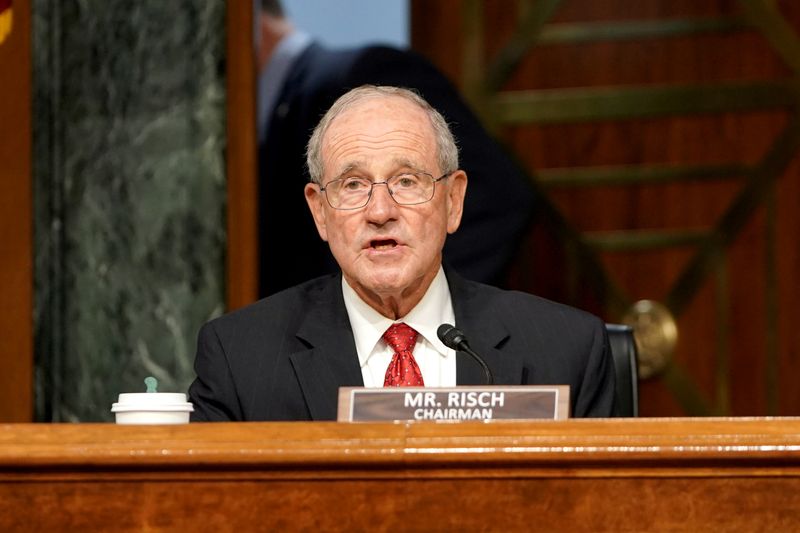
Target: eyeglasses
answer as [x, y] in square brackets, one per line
[406, 189]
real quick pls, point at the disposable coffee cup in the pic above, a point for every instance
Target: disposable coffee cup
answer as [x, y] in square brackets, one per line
[152, 408]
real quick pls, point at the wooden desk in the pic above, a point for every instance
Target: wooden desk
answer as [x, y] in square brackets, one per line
[578, 475]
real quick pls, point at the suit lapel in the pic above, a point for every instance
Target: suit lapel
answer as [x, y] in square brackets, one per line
[486, 332]
[331, 360]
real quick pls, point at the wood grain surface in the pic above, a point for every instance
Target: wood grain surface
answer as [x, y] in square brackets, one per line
[16, 221]
[578, 475]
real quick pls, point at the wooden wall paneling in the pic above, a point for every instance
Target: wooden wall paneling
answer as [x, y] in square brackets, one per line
[681, 115]
[443, 47]
[16, 219]
[788, 272]
[771, 380]
[241, 164]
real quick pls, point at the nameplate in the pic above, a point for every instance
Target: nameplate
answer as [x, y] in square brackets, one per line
[521, 402]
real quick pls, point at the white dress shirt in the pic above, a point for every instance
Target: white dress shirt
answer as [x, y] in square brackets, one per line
[436, 361]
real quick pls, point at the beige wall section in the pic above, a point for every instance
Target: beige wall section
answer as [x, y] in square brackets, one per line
[16, 221]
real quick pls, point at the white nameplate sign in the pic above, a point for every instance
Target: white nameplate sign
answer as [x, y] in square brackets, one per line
[486, 402]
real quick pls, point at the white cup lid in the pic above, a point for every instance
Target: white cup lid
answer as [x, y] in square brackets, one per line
[152, 401]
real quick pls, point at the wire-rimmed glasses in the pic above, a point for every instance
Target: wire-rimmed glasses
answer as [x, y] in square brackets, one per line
[353, 192]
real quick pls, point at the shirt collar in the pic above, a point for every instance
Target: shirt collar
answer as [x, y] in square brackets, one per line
[368, 325]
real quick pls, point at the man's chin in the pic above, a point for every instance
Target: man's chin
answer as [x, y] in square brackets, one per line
[386, 279]
[387, 284]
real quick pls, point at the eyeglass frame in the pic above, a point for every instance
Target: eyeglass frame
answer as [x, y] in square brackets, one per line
[385, 182]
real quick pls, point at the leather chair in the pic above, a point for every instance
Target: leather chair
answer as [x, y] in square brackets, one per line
[623, 351]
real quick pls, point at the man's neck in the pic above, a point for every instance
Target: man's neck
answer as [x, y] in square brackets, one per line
[395, 305]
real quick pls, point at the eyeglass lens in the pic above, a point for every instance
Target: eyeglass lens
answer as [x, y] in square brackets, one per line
[354, 192]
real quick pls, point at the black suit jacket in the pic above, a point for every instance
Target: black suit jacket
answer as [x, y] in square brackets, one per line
[285, 357]
[499, 201]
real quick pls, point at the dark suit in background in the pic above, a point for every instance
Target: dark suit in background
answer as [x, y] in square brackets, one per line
[499, 201]
[285, 357]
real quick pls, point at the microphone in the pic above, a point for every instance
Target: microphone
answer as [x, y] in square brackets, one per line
[454, 338]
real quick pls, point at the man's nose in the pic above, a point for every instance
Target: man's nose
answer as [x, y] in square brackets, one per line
[381, 205]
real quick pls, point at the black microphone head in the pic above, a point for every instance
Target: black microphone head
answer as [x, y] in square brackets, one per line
[454, 338]
[451, 336]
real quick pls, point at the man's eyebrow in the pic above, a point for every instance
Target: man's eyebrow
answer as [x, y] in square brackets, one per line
[407, 163]
[347, 168]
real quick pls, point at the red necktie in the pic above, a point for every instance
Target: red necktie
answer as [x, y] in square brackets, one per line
[403, 370]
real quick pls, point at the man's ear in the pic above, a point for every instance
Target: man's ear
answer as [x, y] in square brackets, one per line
[456, 191]
[315, 203]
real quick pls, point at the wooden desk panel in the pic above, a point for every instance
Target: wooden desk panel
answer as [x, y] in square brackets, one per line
[579, 475]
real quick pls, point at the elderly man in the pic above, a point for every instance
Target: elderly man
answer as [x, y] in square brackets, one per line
[299, 79]
[385, 192]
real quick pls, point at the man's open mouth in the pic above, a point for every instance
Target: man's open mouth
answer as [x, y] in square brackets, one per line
[383, 244]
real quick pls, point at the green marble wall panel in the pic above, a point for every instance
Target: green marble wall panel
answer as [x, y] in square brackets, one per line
[129, 196]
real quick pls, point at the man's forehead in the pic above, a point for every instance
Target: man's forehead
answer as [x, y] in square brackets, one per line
[378, 127]
[415, 153]
[399, 164]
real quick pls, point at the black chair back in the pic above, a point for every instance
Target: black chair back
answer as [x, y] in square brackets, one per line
[623, 351]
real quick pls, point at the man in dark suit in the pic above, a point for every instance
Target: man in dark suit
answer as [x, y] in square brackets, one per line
[386, 191]
[299, 81]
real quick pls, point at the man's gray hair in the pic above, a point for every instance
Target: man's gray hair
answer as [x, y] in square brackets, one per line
[446, 149]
